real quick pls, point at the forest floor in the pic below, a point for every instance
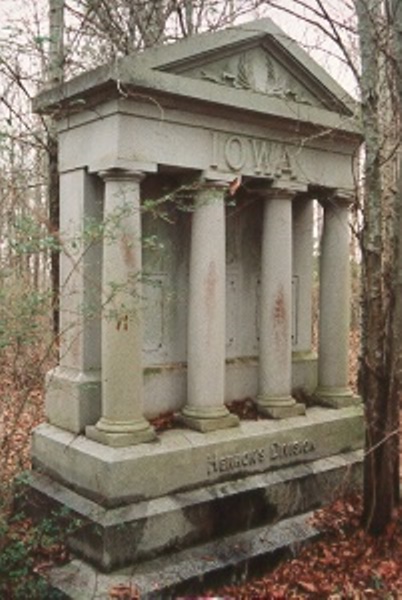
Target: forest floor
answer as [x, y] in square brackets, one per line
[343, 563]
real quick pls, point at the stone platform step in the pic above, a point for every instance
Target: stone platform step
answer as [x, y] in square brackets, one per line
[112, 538]
[232, 559]
[192, 508]
[182, 459]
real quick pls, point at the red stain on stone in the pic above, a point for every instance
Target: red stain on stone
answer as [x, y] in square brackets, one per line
[122, 323]
[210, 286]
[281, 325]
[128, 250]
[280, 308]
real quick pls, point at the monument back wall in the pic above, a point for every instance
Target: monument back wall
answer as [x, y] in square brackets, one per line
[166, 242]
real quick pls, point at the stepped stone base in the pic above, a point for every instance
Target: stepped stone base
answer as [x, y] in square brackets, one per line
[189, 490]
[231, 560]
[281, 412]
[182, 459]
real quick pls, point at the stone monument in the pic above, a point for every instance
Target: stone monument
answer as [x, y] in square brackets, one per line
[188, 174]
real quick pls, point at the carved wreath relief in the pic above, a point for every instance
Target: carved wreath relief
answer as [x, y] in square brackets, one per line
[255, 70]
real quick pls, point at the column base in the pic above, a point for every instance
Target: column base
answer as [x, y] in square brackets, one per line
[334, 397]
[120, 435]
[73, 398]
[280, 407]
[208, 418]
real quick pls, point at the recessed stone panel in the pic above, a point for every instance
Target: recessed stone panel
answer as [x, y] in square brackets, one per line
[153, 292]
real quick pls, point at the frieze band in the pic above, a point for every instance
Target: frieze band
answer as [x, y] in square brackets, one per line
[263, 157]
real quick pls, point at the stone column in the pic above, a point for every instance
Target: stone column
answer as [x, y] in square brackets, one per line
[333, 352]
[303, 272]
[122, 422]
[275, 359]
[205, 409]
[304, 360]
[73, 389]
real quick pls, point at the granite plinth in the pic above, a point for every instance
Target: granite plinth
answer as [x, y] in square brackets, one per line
[185, 459]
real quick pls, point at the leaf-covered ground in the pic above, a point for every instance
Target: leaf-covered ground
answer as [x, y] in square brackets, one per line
[21, 409]
[345, 563]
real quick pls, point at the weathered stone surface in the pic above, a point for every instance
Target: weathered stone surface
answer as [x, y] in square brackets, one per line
[158, 69]
[275, 352]
[77, 389]
[229, 319]
[189, 99]
[231, 559]
[282, 412]
[184, 459]
[205, 425]
[111, 538]
[334, 327]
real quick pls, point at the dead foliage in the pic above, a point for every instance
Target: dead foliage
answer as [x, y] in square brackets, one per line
[346, 563]
[163, 422]
[245, 409]
[21, 407]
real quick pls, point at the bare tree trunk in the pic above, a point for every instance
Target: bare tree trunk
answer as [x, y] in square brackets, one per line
[395, 20]
[56, 43]
[380, 475]
[189, 17]
[55, 76]
[151, 21]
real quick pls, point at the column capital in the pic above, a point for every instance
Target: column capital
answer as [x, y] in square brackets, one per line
[287, 188]
[121, 164]
[121, 175]
[209, 192]
[344, 196]
[214, 177]
[338, 197]
[278, 189]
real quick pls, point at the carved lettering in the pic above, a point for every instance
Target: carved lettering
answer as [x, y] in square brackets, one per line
[284, 165]
[235, 152]
[212, 464]
[255, 155]
[234, 462]
[290, 449]
[215, 140]
[278, 452]
[261, 156]
[274, 451]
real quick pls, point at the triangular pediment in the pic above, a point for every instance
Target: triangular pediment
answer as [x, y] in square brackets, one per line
[256, 56]
[254, 69]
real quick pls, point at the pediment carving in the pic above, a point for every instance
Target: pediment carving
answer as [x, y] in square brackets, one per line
[255, 70]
